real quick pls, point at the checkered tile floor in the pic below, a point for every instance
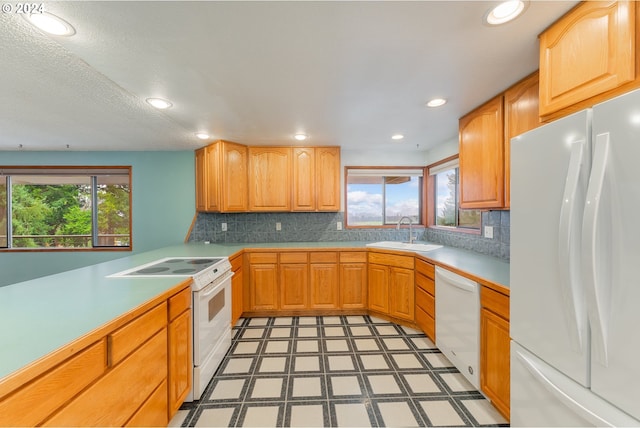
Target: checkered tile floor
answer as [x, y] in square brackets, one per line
[335, 371]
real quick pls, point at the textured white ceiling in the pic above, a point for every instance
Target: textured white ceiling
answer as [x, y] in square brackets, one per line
[345, 73]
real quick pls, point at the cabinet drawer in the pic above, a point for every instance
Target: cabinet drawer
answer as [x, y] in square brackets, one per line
[179, 303]
[426, 323]
[426, 302]
[497, 303]
[427, 269]
[116, 396]
[293, 257]
[391, 260]
[236, 263]
[427, 284]
[255, 258]
[323, 257]
[34, 402]
[135, 333]
[353, 257]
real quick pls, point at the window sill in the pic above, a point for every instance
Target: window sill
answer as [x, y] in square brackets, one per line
[386, 226]
[63, 250]
[457, 230]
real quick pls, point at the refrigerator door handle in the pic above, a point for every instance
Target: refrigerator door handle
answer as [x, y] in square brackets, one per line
[568, 251]
[559, 386]
[596, 294]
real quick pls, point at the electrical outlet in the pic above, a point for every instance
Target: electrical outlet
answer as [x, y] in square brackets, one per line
[488, 232]
[278, 226]
[339, 225]
[223, 226]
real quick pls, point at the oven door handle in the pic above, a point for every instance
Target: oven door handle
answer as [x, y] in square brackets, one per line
[213, 287]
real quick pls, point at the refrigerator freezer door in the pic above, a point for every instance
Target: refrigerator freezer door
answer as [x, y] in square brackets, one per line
[616, 255]
[542, 396]
[549, 175]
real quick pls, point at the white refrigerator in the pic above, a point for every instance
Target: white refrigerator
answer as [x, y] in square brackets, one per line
[575, 269]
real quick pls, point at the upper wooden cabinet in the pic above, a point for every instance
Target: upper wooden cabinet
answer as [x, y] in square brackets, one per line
[316, 179]
[481, 145]
[270, 178]
[587, 56]
[521, 115]
[221, 177]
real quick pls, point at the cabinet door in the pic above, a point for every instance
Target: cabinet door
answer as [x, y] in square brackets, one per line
[269, 178]
[237, 295]
[481, 142]
[234, 177]
[180, 361]
[378, 276]
[353, 285]
[201, 180]
[263, 286]
[212, 166]
[401, 293]
[328, 181]
[294, 284]
[304, 179]
[494, 360]
[588, 52]
[324, 286]
[521, 115]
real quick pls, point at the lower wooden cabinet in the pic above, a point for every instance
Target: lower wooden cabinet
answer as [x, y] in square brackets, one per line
[306, 280]
[324, 283]
[495, 374]
[133, 371]
[401, 293]
[353, 280]
[294, 281]
[426, 298]
[263, 281]
[378, 276]
[180, 374]
[391, 285]
[237, 288]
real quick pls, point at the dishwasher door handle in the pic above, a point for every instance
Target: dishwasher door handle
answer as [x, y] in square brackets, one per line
[457, 281]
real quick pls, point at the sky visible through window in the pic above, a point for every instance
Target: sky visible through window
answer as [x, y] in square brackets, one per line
[364, 202]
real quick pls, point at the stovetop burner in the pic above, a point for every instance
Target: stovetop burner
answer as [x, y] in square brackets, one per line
[201, 268]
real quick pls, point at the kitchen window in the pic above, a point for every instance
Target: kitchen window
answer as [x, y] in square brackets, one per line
[445, 195]
[65, 208]
[379, 197]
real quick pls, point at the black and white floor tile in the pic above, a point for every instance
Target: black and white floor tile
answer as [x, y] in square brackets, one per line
[335, 371]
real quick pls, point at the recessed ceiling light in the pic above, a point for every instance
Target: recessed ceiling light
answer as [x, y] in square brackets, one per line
[159, 103]
[51, 24]
[505, 12]
[301, 137]
[203, 135]
[436, 102]
[397, 137]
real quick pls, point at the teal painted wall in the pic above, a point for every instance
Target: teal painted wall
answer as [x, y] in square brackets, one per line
[163, 206]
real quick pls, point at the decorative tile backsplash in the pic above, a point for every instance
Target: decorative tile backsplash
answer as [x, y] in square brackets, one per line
[312, 227]
[497, 247]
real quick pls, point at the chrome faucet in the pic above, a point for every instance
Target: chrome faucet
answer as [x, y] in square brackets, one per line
[411, 237]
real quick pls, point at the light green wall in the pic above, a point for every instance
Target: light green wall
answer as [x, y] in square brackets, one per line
[163, 207]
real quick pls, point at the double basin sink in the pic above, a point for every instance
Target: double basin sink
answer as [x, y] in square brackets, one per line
[414, 246]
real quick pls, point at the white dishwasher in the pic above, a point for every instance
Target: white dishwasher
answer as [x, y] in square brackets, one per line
[458, 322]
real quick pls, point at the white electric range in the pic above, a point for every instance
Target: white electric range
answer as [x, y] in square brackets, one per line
[211, 308]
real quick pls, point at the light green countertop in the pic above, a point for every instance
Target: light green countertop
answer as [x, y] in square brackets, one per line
[44, 314]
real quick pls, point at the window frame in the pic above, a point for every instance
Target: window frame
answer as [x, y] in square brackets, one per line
[431, 205]
[421, 192]
[6, 170]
